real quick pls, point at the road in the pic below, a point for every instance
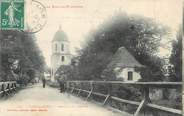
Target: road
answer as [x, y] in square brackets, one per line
[38, 101]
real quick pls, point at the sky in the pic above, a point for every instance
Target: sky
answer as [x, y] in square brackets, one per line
[78, 17]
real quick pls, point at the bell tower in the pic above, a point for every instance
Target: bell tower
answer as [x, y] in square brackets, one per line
[60, 52]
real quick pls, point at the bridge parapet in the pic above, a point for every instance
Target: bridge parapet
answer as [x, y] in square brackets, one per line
[90, 89]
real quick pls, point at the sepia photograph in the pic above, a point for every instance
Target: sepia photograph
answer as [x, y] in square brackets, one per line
[91, 57]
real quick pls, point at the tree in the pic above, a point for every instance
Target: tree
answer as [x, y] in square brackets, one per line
[20, 47]
[140, 35]
[66, 70]
[176, 58]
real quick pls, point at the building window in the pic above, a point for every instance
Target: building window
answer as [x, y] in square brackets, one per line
[62, 47]
[55, 47]
[130, 75]
[62, 58]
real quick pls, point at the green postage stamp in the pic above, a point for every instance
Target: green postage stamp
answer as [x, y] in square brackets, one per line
[12, 14]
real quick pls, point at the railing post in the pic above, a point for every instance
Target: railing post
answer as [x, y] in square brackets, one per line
[11, 87]
[91, 86]
[15, 86]
[8, 89]
[109, 85]
[80, 84]
[2, 89]
[146, 93]
[145, 100]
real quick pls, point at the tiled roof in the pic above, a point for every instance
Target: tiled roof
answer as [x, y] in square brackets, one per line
[122, 58]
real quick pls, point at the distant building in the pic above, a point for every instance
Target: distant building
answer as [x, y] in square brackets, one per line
[60, 52]
[125, 65]
[167, 67]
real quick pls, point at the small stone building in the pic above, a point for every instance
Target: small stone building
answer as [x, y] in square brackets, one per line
[125, 66]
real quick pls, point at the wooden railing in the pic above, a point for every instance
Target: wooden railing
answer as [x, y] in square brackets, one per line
[145, 87]
[7, 88]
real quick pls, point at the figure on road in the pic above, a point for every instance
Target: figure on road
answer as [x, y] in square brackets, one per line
[43, 81]
[62, 81]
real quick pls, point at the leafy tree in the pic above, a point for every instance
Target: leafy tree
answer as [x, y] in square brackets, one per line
[140, 35]
[176, 58]
[70, 71]
[20, 48]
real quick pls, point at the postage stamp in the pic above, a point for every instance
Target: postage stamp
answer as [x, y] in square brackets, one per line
[12, 14]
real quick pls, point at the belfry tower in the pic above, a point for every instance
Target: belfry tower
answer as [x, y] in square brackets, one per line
[60, 52]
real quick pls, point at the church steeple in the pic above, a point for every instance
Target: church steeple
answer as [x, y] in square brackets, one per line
[60, 51]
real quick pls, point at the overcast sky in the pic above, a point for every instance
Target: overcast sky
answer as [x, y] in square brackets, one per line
[88, 14]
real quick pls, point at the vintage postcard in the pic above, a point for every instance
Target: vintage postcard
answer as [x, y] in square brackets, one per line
[91, 57]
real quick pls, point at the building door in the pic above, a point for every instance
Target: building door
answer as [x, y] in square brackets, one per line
[130, 75]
